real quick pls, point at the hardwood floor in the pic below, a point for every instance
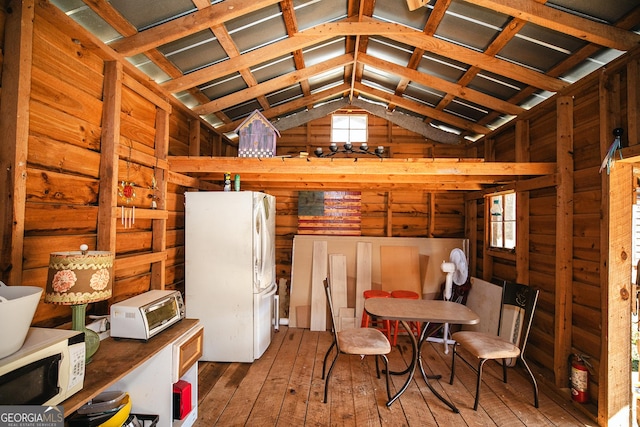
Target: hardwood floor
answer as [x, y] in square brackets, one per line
[284, 388]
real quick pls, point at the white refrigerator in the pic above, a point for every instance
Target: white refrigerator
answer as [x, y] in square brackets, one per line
[230, 273]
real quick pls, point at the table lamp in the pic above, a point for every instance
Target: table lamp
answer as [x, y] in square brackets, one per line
[77, 279]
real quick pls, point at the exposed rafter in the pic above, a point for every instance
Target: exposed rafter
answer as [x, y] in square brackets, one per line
[426, 61]
[380, 173]
[409, 122]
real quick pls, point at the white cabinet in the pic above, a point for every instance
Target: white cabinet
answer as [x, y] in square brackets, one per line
[186, 352]
[146, 386]
[150, 386]
[147, 371]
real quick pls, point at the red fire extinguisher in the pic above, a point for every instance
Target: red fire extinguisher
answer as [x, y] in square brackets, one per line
[579, 379]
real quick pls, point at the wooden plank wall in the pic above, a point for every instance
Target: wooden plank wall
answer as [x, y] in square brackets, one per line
[89, 126]
[63, 190]
[383, 213]
[61, 134]
[63, 162]
[569, 229]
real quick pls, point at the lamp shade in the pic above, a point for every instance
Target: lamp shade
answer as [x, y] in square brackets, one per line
[79, 277]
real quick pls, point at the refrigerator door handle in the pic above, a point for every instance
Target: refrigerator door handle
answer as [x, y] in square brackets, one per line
[271, 292]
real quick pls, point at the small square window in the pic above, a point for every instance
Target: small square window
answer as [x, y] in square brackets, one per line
[502, 220]
[349, 128]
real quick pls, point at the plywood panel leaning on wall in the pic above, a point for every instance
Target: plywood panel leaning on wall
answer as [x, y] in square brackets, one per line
[400, 268]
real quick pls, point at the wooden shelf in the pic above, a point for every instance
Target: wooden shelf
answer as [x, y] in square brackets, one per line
[142, 213]
[117, 358]
[140, 259]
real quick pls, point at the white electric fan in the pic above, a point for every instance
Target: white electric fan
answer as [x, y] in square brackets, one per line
[457, 271]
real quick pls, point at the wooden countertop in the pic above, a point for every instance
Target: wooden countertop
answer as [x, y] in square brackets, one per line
[115, 359]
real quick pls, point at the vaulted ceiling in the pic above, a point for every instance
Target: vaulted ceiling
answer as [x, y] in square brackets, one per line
[448, 69]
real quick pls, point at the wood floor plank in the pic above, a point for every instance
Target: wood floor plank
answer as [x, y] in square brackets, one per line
[411, 406]
[285, 388]
[459, 392]
[340, 396]
[211, 407]
[318, 413]
[365, 383]
[267, 408]
[239, 407]
[494, 406]
[443, 415]
[419, 401]
[294, 406]
[209, 374]
[556, 413]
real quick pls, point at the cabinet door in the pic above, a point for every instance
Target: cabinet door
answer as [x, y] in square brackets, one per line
[187, 351]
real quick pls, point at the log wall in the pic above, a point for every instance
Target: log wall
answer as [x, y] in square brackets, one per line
[383, 213]
[79, 140]
[571, 223]
[90, 124]
[76, 124]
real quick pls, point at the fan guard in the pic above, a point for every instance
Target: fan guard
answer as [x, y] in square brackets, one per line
[458, 258]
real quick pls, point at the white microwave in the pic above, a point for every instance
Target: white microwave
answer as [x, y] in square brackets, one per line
[48, 368]
[145, 315]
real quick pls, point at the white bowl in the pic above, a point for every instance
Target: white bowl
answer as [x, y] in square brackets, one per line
[17, 306]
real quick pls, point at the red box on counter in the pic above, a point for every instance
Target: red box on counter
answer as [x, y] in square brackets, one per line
[181, 399]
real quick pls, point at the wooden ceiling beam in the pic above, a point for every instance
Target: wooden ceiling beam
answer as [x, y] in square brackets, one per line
[423, 109]
[299, 103]
[409, 122]
[362, 173]
[508, 32]
[627, 22]
[230, 48]
[367, 27]
[377, 170]
[563, 22]
[344, 186]
[186, 25]
[396, 32]
[109, 14]
[435, 17]
[272, 85]
[291, 24]
[442, 85]
[299, 119]
[246, 60]
[480, 60]
[311, 177]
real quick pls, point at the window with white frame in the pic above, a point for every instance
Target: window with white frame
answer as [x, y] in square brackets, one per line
[349, 128]
[502, 220]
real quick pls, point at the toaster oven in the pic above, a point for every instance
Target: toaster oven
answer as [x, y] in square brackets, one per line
[145, 315]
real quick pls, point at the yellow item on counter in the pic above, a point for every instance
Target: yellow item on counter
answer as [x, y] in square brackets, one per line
[121, 416]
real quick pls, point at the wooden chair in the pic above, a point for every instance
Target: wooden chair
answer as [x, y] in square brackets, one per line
[518, 304]
[360, 341]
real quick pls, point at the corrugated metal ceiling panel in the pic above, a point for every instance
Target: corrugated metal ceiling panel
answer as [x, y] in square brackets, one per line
[457, 44]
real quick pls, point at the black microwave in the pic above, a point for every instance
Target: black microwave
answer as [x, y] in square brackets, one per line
[48, 368]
